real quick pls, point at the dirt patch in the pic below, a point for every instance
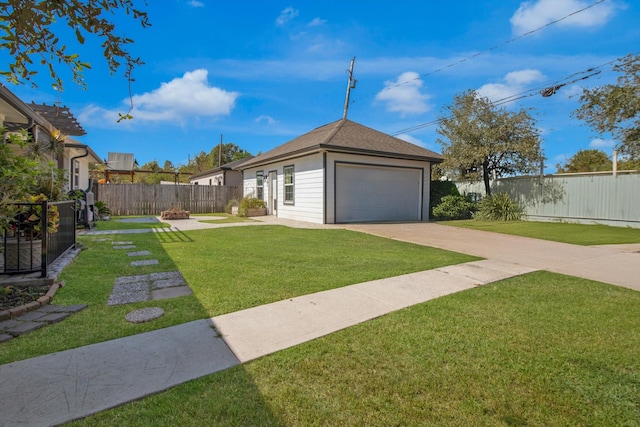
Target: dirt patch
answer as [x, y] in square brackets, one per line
[15, 296]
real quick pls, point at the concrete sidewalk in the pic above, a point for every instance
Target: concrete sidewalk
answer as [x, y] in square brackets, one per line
[72, 384]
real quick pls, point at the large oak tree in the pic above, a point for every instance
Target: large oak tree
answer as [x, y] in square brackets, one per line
[615, 108]
[481, 140]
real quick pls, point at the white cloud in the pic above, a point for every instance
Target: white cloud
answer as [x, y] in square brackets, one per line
[270, 120]
[182, 97]
[411, 139]
[286, 15]
[535, 14]
[175, 102]
[403, 95]
[196, 3]
[602, 144]
[513, 83]
[316, 22]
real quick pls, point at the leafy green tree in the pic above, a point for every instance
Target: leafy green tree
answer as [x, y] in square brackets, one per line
[202, 161]
[615, 109]
[32, 33]
[481, 140]
[587, 161]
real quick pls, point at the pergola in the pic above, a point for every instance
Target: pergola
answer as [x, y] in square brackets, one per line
[60, 117]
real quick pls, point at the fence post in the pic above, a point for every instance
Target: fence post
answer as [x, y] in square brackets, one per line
[44, 205]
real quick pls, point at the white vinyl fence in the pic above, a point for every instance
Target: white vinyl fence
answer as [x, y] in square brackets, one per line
[586, 198]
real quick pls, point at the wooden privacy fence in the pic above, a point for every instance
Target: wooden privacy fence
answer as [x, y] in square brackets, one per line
[146, 199]
[598, 197]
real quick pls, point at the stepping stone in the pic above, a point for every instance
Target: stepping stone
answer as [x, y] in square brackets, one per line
[125, 247]
[144, 314]
[33, 315]
[24, 328]
[54, 317]
[166, 275]
[8, 324]
[174, 292]
[167, 283]
[139, 253]
[144, 262]
[50, 308]
[72, 308]
[129, 292]
[132, 279]
[122, 243]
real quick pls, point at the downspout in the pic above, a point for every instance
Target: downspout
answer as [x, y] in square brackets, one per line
[73, 159]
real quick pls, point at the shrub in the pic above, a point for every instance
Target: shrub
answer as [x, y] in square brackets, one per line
[230, 204]
[249, 202]
[499, 207]
[439, 189]
[454, 207]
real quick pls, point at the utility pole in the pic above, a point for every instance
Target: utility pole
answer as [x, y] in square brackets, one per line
[351, 84]
[220, 152]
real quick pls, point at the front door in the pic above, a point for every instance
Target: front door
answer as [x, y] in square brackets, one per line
[272, 185]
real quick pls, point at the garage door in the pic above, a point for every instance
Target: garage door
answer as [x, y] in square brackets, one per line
[366, 193]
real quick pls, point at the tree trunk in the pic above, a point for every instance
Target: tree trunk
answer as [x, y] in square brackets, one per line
[485, 177]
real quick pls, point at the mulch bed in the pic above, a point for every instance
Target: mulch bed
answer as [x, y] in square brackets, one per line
[15, 296]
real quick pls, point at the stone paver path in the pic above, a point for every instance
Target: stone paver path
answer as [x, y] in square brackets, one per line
[36, 319]
[145, 287]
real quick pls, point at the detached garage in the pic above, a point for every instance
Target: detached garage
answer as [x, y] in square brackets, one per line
[343, 172]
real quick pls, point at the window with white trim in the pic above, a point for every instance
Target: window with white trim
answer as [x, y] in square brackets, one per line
[288, 185]
[260, 185]
[76, 174]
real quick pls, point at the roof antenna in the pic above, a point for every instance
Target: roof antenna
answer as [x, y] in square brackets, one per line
[350, 85]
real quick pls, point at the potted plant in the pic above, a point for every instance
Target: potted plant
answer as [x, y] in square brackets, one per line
[103, 210]
[252, 206]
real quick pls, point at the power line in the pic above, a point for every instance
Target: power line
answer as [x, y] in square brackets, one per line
[545, 90]
[528, 33]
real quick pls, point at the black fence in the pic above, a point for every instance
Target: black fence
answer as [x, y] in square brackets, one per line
[38, 235]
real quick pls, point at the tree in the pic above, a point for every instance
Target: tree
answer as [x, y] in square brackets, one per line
[482, 140]
[615, 109]
[587, 161]
[230, 153]
[32, 31]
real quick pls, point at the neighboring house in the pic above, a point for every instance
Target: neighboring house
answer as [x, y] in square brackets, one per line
[51, 128]
[226, 174]
[343, 172]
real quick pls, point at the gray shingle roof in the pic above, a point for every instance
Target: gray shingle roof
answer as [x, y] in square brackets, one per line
[346, 136]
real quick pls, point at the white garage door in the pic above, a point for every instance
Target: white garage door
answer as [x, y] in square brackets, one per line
[366, 193]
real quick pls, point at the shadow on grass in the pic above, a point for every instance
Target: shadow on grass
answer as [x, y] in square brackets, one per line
[228, 397]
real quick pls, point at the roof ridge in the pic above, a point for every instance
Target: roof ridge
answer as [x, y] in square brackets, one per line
[335, 131]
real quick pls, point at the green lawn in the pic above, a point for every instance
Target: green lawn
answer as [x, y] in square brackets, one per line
[578, 234]
[228, 269]
[540, 349]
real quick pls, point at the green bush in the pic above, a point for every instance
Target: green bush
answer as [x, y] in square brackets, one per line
[249, 202]
[439, 189]
[499, 207]
[454, 207]
[230, 204]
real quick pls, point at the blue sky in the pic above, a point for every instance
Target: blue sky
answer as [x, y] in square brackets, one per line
[260, 73]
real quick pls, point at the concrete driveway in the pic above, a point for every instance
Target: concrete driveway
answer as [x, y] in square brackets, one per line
[617, 265]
